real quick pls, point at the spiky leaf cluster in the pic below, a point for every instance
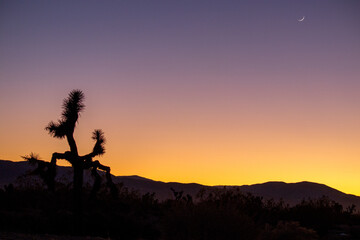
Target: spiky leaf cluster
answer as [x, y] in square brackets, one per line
[72, 106]
[32, 158]
[98, 136]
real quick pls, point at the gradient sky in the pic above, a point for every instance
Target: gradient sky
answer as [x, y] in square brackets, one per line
[214, 92]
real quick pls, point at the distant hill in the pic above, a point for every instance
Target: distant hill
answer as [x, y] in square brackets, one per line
[291, 193]
[10, 172]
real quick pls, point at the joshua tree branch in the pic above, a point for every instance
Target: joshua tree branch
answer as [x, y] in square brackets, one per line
[98, 149]
[72, 144]
[95, 165]
[98, 165]
[66, 155]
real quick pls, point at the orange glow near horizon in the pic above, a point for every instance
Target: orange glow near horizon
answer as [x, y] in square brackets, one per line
[220, 93]
[231, 148]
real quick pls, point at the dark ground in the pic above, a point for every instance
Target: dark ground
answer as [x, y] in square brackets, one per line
[213, 214]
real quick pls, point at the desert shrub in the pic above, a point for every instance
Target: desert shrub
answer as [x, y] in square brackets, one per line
[216, 214]
[319, 214]
[288, 230]
[220, 214]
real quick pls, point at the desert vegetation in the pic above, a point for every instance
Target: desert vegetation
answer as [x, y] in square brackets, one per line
[212, 214]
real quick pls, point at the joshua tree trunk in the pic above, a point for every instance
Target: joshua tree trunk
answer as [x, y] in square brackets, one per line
[78, 182]
[78, 208]
[78, 167]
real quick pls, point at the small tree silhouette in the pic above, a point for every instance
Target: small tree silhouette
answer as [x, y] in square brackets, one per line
[64, 128]
[46, 170]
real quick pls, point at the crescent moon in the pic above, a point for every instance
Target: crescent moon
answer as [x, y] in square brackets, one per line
[302, 19]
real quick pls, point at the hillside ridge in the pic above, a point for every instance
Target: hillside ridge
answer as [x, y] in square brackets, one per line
[291, 193]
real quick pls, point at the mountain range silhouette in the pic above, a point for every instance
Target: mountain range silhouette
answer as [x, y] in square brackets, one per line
[291, 193]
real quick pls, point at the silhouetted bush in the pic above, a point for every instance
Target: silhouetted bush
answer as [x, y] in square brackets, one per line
[288, 230]
[320, 214]
[214, 214]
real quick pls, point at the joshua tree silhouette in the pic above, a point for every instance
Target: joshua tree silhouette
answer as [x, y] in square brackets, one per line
[64, 128]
